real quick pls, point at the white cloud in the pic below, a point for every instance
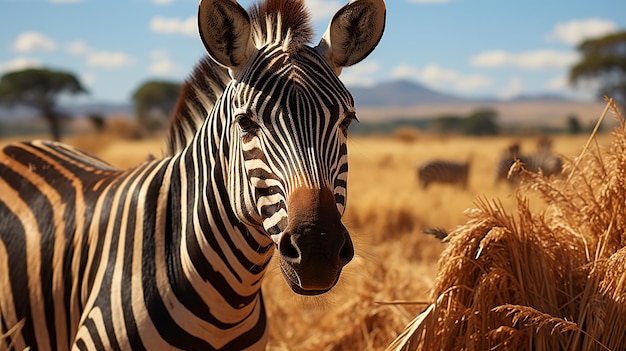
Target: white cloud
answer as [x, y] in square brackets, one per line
[405, 71]
[576, 31]
[65, 1]
[434, 74]
[33, 41]
[513, 88]
[164, 25]
[102, 59]
[89, 78]
[442, 78]
[361, 74]
[323, 10]
[530, 60]
[162, 2]
[19, 63]
[557, 84]
[77, 47]
[162, 64]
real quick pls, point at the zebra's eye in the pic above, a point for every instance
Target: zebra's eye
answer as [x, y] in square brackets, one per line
[347, 120]
[246, 124]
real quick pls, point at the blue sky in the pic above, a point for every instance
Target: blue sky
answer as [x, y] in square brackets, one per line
[472, 48]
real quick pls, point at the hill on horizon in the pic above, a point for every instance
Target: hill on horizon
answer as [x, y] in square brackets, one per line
[406, 100]
[403, 93]
[399, 94]
[392, 100]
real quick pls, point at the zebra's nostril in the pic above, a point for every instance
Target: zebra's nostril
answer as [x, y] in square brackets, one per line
[347, 252]
[288, 250]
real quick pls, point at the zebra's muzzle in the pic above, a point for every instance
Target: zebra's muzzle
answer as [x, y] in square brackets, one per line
[315, 246]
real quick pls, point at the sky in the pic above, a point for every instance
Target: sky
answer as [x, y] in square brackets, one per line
[470, 48]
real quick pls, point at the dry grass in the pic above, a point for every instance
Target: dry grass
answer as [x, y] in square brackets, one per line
[396, 273]
[552, 279]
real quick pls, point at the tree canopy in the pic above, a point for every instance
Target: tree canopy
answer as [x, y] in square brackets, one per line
[39, 88]
[155, 96]
[480, 122]
[604, 59]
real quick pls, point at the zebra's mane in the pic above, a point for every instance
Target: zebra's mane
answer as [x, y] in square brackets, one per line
[196, 99]
[284, 21]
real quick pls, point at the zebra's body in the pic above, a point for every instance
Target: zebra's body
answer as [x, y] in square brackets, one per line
[115, 266]
[548, 163]
[171, 254]
[443, 171]
[544, 161]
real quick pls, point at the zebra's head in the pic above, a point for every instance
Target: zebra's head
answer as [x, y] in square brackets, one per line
[286, 116]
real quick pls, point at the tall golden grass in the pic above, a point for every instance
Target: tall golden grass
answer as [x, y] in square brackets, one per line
[398, 271]
[553, 279]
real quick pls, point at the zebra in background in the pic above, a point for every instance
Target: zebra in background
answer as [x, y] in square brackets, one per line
[544, 160]
[504, 163]
[444, 171]
[171, 254]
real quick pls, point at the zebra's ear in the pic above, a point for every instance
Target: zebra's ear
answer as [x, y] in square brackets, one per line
[225, 31]
[353, 33]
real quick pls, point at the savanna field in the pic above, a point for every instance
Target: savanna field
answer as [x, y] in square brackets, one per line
[536, 267]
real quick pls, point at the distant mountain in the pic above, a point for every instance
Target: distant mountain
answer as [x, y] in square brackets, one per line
[17, 113]
[404, 93]
[403, 100]
[400, 94]
[396, 94]
[389, 94]
[540, 97]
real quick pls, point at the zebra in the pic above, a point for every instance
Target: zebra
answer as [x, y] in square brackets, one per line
[504, 163]
[544, 160]
[171, 254]
[444, 171]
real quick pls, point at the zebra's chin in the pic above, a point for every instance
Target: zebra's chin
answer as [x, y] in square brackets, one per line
[301, 287]
[298, 290]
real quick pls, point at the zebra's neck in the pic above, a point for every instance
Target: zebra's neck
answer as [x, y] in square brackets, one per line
[224, 256]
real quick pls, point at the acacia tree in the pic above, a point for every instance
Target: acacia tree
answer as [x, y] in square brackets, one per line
[155, 96]
[605, 59]
[40, 88]
[481, 122]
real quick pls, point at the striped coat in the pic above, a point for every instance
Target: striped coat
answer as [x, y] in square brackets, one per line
[544, 160]
[444, 172]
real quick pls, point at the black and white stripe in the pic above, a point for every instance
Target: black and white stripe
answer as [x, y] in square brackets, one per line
[171, 254]
[444, 172]
[544, 160]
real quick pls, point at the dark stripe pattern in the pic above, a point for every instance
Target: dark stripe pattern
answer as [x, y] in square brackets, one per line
[544, 160]
[444, 172]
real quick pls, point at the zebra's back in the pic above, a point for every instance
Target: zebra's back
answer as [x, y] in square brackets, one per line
[442, 171]
[550, 164]
[547, 162]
